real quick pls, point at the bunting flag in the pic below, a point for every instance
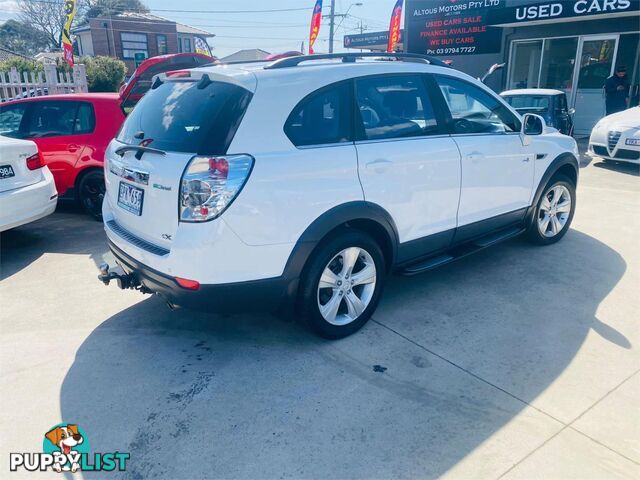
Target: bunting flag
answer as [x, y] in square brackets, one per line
[201, 46]
[316, 19]
[67, 46]
[394, 27]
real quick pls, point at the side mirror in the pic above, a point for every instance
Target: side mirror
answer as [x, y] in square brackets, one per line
[532, 124]
[572, 111]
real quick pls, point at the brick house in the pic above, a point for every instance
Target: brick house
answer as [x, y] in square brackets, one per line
[126, 34]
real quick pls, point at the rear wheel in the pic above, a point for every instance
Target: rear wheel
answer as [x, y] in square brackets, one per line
[341, 286]
[91, 191]
[554, 212]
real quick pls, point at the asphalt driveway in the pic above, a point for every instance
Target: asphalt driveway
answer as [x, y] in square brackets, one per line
[519, 362]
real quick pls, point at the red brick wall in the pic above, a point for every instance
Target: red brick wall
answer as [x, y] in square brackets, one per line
[105, 39]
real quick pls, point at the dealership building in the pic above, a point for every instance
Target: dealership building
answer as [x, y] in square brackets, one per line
[572, 46]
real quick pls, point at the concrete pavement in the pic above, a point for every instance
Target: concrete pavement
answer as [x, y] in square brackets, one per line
[519, 362]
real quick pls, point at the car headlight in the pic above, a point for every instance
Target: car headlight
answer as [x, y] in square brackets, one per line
[210, 184]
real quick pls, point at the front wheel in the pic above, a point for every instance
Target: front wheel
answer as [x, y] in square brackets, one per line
[554, 212]
[91, 191]
[341, 286]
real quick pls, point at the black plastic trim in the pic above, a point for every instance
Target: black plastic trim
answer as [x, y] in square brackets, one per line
[553, 168]
[257, 295]
[472, 231]
[425, 246]
[330, 220]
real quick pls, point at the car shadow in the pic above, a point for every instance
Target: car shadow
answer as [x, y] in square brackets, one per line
[194, 395]
[69, 230]
[621, 167]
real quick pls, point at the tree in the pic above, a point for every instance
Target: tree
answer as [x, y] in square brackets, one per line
[47, 17]
[23, 38]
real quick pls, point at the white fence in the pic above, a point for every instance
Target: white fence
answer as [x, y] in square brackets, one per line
[49, 82]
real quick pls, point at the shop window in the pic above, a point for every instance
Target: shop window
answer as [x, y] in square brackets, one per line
[133, 43]
[161, 41]
[629, 56]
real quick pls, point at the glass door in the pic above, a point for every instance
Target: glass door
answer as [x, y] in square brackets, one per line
[596, 57]
[524, 67]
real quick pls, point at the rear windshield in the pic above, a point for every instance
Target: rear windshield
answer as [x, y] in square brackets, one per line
[187, 116]
[528, 101]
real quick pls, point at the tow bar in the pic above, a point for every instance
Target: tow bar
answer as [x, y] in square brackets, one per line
[124, 280]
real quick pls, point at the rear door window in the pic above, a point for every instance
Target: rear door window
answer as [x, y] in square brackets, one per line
[322, 118]
[52, 119]
[187, 116]
[85, 119]
[395, 106]
[13, 119]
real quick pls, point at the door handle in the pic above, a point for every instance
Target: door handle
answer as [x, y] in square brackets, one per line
[73, 147]
[379, 165]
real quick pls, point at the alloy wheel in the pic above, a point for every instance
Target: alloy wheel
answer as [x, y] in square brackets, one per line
[346, 286]
[554, 211]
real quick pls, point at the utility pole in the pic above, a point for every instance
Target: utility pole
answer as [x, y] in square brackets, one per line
[332, 20]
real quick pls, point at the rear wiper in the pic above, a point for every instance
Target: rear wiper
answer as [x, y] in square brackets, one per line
[139, 149]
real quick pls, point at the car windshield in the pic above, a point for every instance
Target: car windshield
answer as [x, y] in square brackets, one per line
[537, 102]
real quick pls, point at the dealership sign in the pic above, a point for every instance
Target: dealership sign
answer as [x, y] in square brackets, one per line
[463, 27]
[452, 27]
[368, 40]
[529, 11]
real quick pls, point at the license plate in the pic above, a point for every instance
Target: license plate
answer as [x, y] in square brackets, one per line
[6, 171]
[130, 198]
[632, 141]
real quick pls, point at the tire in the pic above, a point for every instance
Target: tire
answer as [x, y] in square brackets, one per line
[328, 261]
[91, 191]
[552, 216]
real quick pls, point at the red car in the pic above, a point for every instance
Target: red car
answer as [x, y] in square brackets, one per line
[72, 131]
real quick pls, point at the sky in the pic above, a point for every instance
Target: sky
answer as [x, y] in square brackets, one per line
[271, 31]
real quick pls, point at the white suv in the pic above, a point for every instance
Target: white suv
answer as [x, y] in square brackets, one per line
[304, 181]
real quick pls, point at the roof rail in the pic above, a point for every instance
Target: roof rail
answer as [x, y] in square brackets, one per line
[351, 57]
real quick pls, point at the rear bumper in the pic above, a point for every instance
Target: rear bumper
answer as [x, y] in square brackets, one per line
[267, 295]
[28, 204]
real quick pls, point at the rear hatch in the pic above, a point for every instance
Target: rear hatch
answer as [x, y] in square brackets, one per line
[14, 172]
[185, 114]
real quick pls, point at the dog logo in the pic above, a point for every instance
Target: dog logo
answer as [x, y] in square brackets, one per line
[65, 448]
[66, 438]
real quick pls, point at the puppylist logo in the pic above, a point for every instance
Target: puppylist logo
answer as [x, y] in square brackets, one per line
[66, 449]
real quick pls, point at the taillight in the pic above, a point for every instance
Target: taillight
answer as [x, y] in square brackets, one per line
[35, 161]
[210, 184]
[188, 284]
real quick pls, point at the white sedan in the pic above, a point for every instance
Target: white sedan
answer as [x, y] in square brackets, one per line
[27, 189]
[617, 137]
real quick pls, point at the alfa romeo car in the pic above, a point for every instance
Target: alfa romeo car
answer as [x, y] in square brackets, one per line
[617, 137]
[298, 185]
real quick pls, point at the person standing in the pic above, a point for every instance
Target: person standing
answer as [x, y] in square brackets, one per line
[616, 90]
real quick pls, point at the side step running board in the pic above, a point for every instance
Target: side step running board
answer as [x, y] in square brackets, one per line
[460, 251]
